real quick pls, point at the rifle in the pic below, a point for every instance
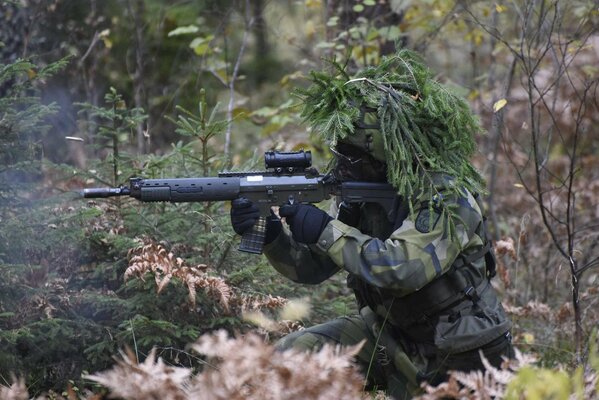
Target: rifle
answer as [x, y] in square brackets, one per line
[288, 178]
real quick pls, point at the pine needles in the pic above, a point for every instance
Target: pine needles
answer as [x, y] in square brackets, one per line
[426, 128]
[328, 105]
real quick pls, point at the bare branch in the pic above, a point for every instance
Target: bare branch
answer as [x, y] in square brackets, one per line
[249, 21]
[93, 44]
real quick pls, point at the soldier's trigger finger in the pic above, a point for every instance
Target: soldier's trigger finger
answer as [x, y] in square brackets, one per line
[288, 211]
[273, 216]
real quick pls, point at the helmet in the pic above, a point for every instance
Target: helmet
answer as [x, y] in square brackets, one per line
[361, 155]
[367, 135]
[398, 114]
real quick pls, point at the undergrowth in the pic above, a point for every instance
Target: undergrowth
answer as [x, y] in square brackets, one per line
[245, 367]
[81, 280]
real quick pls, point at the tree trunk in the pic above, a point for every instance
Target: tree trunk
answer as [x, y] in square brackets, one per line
[137, 12]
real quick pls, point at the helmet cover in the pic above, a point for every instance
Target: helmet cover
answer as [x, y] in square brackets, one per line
[397, 113]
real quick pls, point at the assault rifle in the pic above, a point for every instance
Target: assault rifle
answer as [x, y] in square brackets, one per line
[288, 178]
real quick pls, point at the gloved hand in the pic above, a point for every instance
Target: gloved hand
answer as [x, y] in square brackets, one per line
[349, 214]
[305, 221]
[244, 214]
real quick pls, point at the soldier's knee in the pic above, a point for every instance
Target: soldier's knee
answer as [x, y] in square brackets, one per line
[300, 340]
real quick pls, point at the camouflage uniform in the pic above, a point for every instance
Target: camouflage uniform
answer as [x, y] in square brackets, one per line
[426, 303]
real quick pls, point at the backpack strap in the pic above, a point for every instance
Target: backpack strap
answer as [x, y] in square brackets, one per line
[490, 260]
[401, 213]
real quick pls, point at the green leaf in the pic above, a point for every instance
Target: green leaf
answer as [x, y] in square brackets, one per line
[265, 112]
[7, 314]
[201, 45]
[369, 3]
[391, 33]
[183, 30]
[201, 49]
[358, 8]
[355, 32]
[325, 45]
[372, 34]
[240, 112]
[499, 104]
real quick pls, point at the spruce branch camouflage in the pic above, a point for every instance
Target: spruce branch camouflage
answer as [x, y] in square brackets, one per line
[397, 112]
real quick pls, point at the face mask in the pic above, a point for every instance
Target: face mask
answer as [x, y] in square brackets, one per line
[352, 164]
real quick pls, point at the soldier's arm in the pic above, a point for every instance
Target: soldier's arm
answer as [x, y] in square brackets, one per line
[412, 256]
[299, 262]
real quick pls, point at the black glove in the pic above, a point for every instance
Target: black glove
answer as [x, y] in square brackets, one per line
[305, 221]
[349, 214]
[244, 214]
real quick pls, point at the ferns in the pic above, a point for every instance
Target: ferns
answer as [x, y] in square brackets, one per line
[247, 368]
[151, 257]
[242, 368]
[16, 391]
[151, 379]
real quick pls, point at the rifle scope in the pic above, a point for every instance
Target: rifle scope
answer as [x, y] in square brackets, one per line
[293, 160]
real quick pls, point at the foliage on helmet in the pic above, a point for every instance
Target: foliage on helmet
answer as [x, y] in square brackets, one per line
[425, 127]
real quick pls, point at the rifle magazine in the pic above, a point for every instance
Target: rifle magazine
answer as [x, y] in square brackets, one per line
[253, 240]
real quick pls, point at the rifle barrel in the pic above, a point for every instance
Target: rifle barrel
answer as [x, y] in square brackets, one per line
[92, 193]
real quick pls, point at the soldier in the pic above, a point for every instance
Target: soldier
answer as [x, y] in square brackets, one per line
[421, 280]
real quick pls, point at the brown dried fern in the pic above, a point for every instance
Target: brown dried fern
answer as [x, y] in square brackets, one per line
[534, 309]
[151, 257]
[240, 368]
[151, 379]
[262, 302]
[249, 369]
[109, 221]
[506, 247]
[16, 391]
[478, 385]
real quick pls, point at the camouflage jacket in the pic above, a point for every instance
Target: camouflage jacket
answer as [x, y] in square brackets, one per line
[410, 272]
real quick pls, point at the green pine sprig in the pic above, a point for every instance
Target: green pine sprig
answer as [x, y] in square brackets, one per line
[426, 128]
[328, 103]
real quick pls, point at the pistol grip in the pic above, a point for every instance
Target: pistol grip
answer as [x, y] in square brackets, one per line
[253, 240]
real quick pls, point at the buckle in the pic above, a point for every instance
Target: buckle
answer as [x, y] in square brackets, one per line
[471, 293]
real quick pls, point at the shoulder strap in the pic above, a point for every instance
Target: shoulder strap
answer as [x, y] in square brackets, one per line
[403, 209]
[463, 260]
[490, 260]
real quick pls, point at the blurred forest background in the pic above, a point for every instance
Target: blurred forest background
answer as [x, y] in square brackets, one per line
[94, 92]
